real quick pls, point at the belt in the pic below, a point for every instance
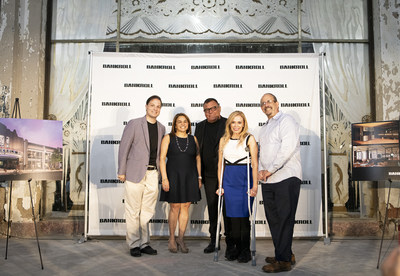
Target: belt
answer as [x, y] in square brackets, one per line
[151, 168]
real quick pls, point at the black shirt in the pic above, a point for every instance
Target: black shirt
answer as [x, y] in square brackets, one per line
[210, 148]
[153, 134]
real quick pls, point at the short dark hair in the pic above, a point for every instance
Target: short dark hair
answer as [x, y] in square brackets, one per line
[152, 98]
[210, 100]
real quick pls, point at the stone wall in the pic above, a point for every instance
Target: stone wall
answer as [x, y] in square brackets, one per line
[387, 74]
[22, 67]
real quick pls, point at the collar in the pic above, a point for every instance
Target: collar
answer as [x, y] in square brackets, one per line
[276, 117]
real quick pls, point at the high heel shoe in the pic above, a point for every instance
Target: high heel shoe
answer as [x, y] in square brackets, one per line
[172, 248]
[182, 246]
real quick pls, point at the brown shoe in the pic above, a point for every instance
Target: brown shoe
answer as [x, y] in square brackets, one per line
[181, 245]
[272, 260]
[277, 267]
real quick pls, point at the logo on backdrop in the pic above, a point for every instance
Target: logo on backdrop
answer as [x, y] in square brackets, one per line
[305, 143]
[199, 221]
[247, 104]
[304, 221]
[287, 66]
[249, 67]
[115, 103]
[112, 181]
[272, 85]
[117, 66]
[161, 67]
[227, 85]
[139, 85]
[204, 67]
[295, 104]
[110, 142]
[168, 105]
[182, 85]
[158, 221]
[115, 220]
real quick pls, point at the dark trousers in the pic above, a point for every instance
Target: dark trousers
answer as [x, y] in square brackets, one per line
[280, 204]
[211, 186]
[241, 233]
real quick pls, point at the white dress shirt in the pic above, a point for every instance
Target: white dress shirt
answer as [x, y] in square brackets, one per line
[280, 148]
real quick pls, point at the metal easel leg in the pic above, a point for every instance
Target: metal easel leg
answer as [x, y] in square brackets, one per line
[384, 224]
[9, 218]
[34, 221]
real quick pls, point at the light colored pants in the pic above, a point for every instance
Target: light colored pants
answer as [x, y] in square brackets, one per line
[140, 203]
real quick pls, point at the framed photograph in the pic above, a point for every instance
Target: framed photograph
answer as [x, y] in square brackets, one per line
[375, 151]
[30, 149]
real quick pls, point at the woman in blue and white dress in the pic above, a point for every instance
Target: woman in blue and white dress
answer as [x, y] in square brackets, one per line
[233, 156]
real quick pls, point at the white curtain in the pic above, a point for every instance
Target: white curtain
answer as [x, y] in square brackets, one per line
[346, 65]
[75, 19]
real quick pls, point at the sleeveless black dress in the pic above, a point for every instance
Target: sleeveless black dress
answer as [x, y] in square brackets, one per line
[182, 171]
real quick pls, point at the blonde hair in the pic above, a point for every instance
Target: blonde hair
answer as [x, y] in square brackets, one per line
[228, 131]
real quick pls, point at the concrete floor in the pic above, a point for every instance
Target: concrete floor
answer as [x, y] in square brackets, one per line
[100, 256]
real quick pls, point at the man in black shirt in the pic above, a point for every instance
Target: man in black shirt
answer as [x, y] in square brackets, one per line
[208, 134]
[138, 165]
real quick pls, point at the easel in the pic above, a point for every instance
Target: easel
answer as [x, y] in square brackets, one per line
[385, 220]
[14, 115]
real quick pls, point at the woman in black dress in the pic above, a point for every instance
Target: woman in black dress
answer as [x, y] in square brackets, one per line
[181, 177]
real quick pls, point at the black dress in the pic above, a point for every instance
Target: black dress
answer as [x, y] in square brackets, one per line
[182, 171]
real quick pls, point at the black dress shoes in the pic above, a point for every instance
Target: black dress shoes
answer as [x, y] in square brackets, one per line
[229, 248]
[210, 248]
[148, 250]
[232, 254]
[244, 256]
[135, 252]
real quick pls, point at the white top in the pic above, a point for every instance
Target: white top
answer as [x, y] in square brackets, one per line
[280, 148]
[233, 151]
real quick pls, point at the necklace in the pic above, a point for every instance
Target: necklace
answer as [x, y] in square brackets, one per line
[187, 143]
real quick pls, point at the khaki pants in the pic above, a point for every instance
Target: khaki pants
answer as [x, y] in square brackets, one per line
[140, 203]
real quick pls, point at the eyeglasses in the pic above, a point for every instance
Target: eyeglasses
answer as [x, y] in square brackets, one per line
[211, 109]
[267, 102]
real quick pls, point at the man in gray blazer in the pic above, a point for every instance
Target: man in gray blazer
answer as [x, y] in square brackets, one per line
[138, 165]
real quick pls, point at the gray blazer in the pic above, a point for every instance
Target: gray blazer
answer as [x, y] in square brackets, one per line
[134, 149]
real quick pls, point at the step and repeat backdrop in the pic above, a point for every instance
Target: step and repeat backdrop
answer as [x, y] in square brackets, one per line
[120, 83]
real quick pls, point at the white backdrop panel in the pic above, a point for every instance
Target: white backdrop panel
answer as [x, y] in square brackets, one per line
[121, 83]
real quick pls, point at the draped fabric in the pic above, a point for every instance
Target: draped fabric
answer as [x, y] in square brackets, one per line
[70, 62]
[69, 78]
[346, 64]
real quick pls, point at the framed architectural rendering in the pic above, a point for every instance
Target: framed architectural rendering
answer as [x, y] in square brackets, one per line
[30, 149]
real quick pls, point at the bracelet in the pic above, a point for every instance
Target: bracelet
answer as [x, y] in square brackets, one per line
[200, 177]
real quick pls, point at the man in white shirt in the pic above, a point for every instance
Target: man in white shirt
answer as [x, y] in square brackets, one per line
[280, 173]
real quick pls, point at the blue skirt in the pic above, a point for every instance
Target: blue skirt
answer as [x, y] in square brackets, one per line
[235, 190]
